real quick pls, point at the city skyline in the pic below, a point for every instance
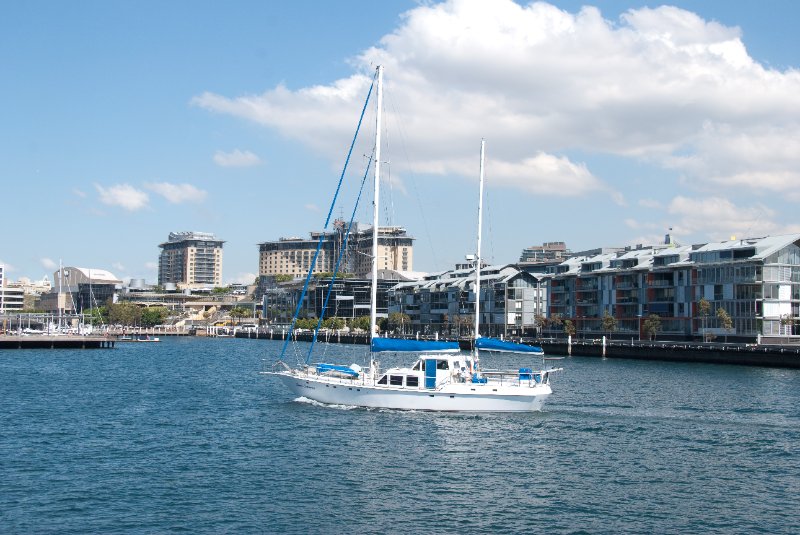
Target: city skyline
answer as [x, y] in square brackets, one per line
[605, 126]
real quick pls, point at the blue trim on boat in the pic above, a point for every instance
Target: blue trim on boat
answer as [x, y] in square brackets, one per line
[347, 370]
[416, 346]
[493, 344]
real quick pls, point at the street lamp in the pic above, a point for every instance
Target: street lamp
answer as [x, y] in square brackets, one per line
[639, 318]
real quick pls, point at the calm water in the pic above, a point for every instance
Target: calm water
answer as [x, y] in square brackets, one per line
[187, 436]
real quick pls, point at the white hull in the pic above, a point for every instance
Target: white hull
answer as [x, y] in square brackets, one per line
[467, 397]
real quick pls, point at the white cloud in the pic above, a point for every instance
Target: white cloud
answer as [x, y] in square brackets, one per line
[177, 193]
[152, 266]
[719, 218]
[123, 195]
[311, 207]
[236, 158]
[7, 267]
[650, 203]
[663, 85]
[48, 263]
[79, 193]
[118, 266]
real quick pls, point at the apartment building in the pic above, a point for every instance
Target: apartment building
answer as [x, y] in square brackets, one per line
[293, 256]
[444, 302]
[191, 260]
[756, 281]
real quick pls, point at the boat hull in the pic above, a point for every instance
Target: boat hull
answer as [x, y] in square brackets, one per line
[461, 397]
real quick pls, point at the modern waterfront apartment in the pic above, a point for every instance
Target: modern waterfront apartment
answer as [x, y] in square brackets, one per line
[293, 256]
[445, 302]
[191, 260]
[756, 281]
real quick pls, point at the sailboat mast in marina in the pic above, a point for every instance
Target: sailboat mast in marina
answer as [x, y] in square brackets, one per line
[441, 379]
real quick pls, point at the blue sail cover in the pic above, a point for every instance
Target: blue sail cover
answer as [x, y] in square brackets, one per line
[493, 344]
[416, 346]
[334, 368]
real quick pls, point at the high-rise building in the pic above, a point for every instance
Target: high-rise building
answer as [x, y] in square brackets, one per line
[293, 256]
[191, 260]
[545, 253]
[11, 298]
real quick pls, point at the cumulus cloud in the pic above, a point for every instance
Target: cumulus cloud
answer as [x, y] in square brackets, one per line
[123, 195]
[719, 218]
[542, 84]
[236, 158]
[7, 267]
[118, 266]
[650, 203]
[177, 193]
[48, 263]
[152, 266]
[311, 207]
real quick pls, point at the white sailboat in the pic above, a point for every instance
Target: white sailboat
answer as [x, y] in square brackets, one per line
[441, 379]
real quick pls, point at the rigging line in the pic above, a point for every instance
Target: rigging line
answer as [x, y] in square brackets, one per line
[388, 208]
[338, 261]
[327, 221]
[412, 175]
[489, 219]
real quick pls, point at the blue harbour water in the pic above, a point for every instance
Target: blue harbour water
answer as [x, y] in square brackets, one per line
[186, 436]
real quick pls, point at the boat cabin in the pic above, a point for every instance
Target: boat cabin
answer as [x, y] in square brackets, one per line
[430, 372]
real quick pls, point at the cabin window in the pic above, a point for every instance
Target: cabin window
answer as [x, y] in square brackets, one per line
[412, 381]
[442, 365]
[382, 380]
[396, 380]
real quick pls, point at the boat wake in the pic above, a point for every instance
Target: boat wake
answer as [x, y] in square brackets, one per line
[303, 399]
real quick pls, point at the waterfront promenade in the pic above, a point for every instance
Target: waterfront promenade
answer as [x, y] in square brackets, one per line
[773, 355]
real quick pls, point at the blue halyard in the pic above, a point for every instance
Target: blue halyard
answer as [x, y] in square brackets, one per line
[327, 222]
[338, 261]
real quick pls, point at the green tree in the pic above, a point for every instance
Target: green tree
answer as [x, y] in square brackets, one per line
[152, 316]
[652, 325]
[239, 313]
[569, 328]
[361, 322]
[219, 290]
[609, 323]
[725, 321]
[127, 314]
[556, 320]
[398, 321]
[334, 323]
[704, 308]
[98, 316]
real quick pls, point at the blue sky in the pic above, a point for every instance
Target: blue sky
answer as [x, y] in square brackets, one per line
[605, 125]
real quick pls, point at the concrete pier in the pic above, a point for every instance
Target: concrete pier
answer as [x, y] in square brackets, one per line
[56, 342]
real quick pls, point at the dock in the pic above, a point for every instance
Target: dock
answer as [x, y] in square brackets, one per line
[56, 342]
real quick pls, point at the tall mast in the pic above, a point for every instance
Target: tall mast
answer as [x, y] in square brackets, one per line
[373, 313]
[478, 255]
